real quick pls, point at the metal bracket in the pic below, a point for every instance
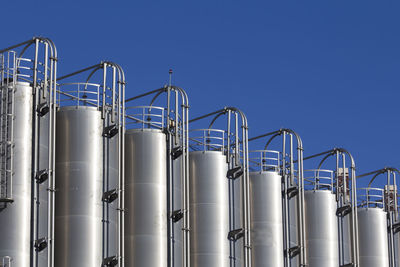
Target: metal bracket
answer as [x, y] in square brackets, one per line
[176, 152]
[176, 215]
[110, 131]
[110, 261]
[43, 109]
[343, 211]
[234, 173]
[292, 191]
[6, 200]
[110, 196]
[236, 234]
[293, 251]
[42, 176]
[41, 244]
[396, 227]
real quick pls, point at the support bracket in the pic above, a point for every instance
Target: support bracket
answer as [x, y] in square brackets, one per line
[110, 196]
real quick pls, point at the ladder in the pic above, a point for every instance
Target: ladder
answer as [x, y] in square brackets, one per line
[6, 141]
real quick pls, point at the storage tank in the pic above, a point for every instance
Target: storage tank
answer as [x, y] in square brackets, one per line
[209, 205]
[79, 185]
[88, 227]
[321, 221]
[266, 209]
[156, 180]
[146, 239]
[26, 155]
[372, 227]
[15, 217]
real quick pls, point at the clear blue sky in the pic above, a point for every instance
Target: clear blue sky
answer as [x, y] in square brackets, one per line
[328, 69]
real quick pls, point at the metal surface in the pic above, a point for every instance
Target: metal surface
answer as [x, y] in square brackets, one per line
[266, 218]
[290, 167]
[79, 185]
[209, 204]
[235, 149]
[321, 228]
[373, 238]
[15, 218]
[90, 168]
[146, 198]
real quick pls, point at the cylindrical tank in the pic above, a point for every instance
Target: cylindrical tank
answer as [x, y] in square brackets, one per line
[266, 219]
[146, 219]
[321, 228]
[15, 218]
[79, 187]
[373, 237]
[209, 206]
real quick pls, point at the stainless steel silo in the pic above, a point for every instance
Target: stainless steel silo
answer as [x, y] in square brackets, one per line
[146, 239]
[266, 218]
[321, 220]
[373, 237]
[15, 217]
[79, 185]
[89, 171]
[209, 204]
[26, 152]
[157, 188]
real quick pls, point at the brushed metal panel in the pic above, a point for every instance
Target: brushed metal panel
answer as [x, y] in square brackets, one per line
[209, 204]
[15, 219]
[146, 198]
[373, 240]
[321, 229]
[79, 185]
[266, 219]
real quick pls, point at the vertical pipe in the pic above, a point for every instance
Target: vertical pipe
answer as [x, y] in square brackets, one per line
[34, 193]
[285, 201]
[122, 210]
[247, 177]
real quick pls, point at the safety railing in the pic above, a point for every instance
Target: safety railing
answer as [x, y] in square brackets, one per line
[319, 179]
[207, 140]
[371, 197]
[79, 94]
[145, 117]
[264, 160]
[14, 68]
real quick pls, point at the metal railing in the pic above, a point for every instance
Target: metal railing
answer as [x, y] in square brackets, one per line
[371, 197]
[264, 160]
[207, 140]
[79, 94]
[319, 179]
[145, 117]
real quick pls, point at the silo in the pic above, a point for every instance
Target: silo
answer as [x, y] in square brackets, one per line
[209, 205]
[79, 185]
[321, 220]
[220, 189]
[146, 220]
[156, 180]
[266, 218]
[373, 237]
[15, 217]
[26, 152]
[89, 148]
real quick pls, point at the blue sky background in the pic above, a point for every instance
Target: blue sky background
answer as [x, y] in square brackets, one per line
[327, 69]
